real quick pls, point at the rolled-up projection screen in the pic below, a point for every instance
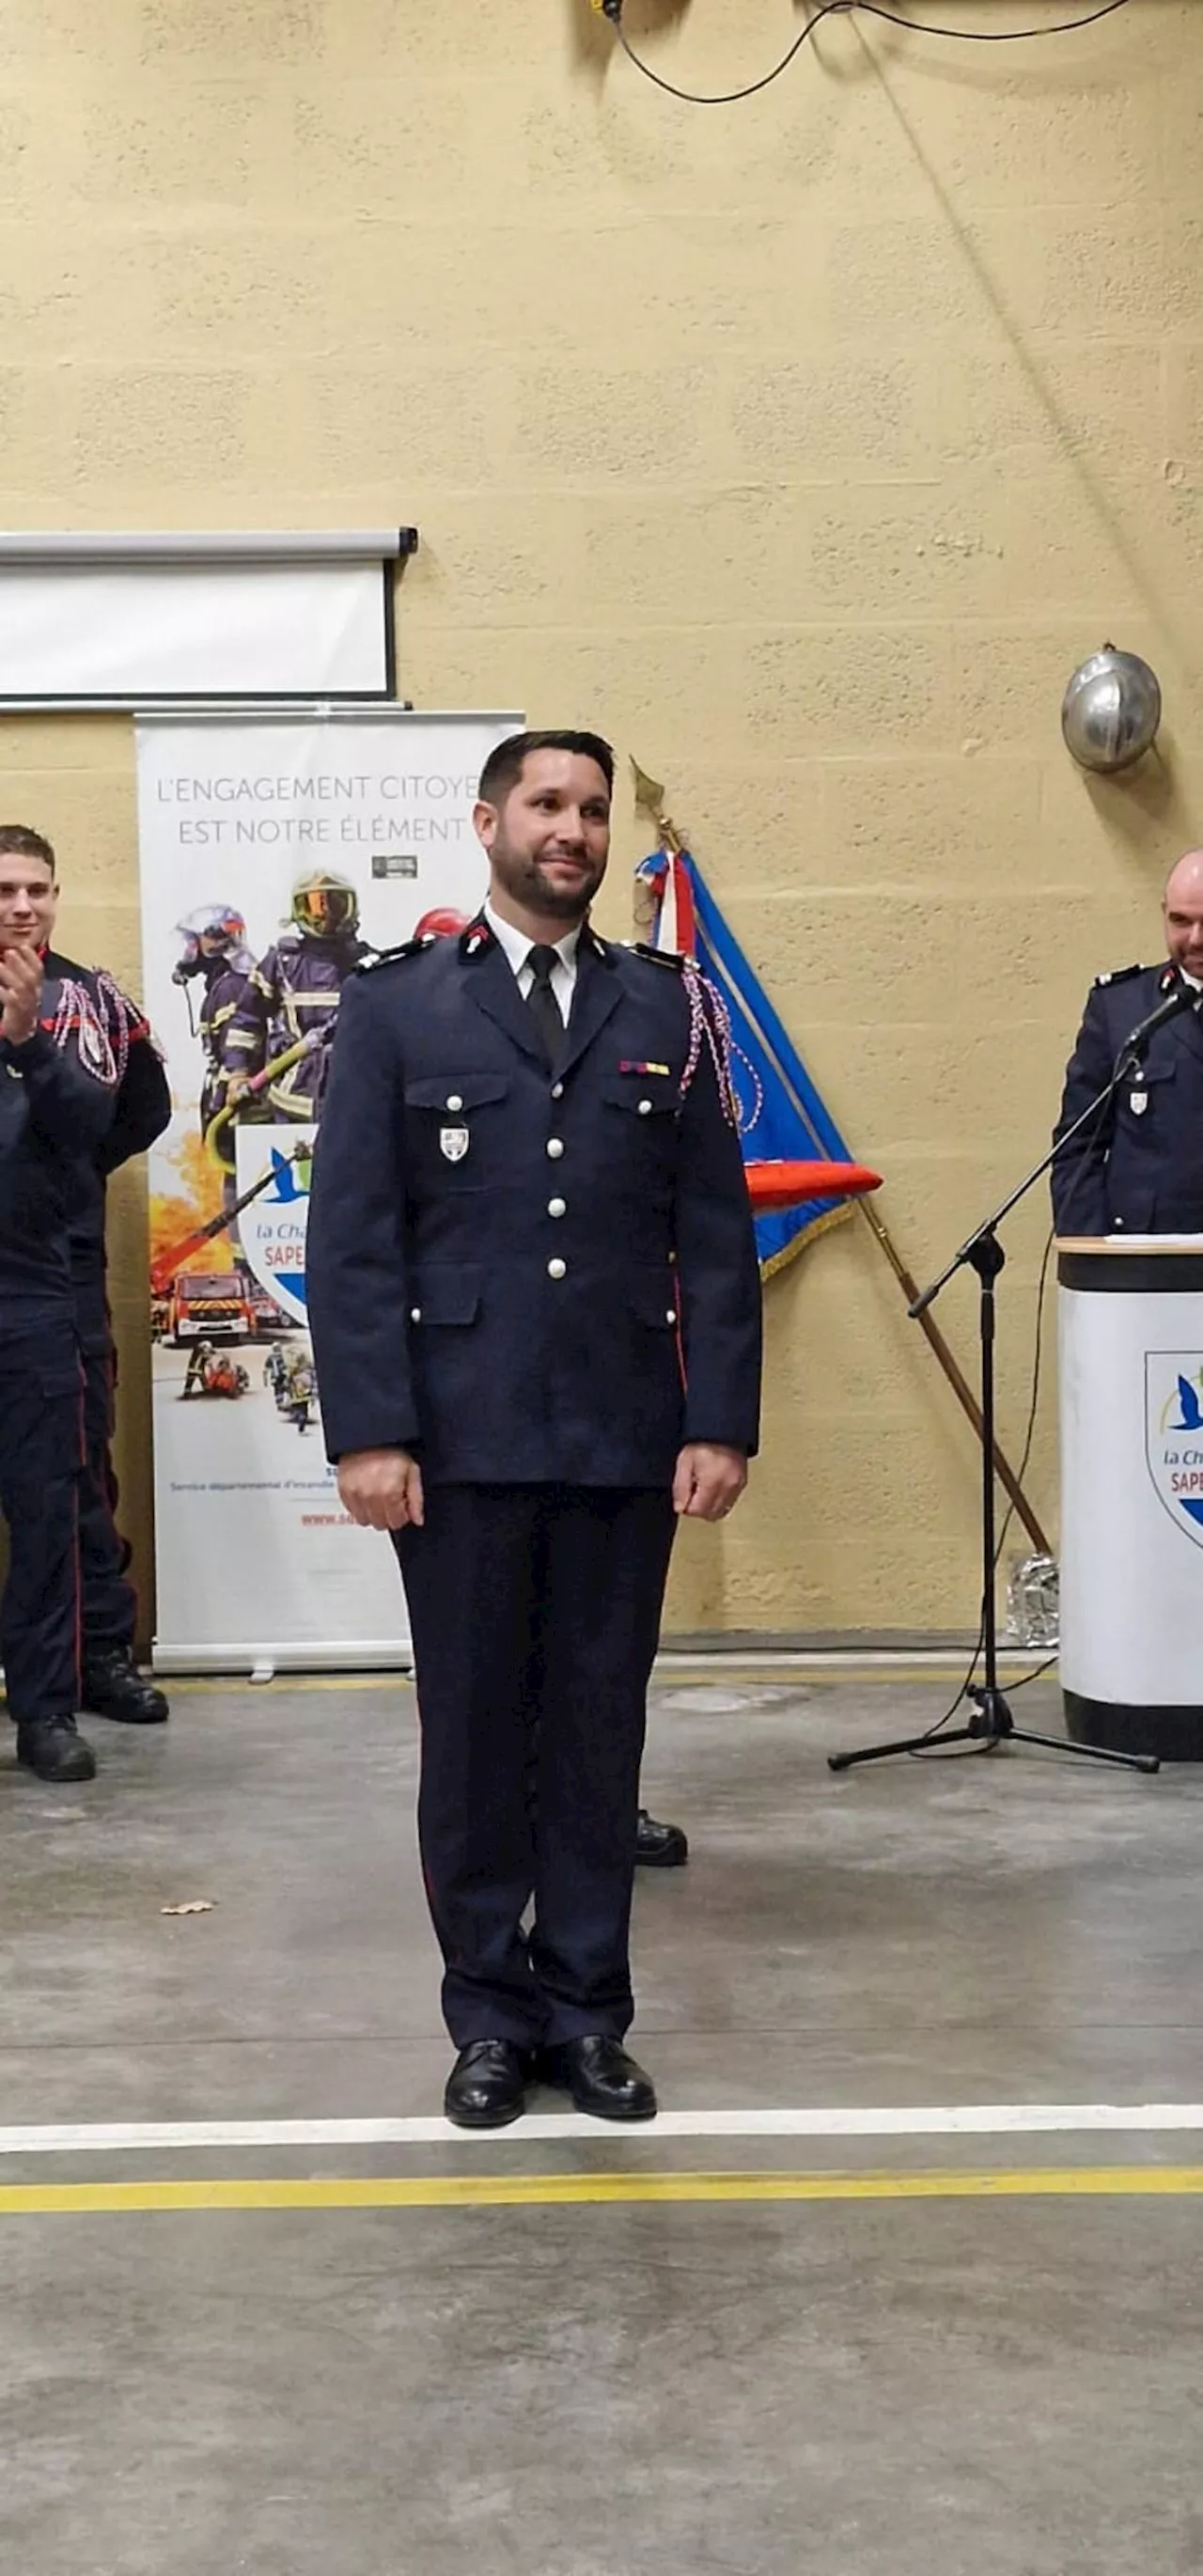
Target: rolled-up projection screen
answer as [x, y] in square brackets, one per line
[123, 621]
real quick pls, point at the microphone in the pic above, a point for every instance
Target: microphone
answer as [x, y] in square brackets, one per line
[1182, 998]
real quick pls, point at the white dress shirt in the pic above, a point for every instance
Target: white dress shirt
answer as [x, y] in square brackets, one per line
[518, 948]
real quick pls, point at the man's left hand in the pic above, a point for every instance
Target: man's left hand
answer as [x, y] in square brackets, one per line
[709, 1481]
[20, 993]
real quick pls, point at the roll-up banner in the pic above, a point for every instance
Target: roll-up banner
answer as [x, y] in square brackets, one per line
[278, 853]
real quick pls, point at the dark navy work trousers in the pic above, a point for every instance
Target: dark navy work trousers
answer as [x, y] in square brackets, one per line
[41, 1456]
[535, 1613]
[110, 1604]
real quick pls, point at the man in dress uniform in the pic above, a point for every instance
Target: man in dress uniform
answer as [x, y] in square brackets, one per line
[112, 1686]
[64, 1047]
[1138, 1168]
[535, 1308]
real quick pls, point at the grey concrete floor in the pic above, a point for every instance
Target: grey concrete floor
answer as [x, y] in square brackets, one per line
[1000, 2386]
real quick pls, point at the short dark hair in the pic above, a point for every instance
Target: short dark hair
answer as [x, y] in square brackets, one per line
[17, 841]
[504, 766]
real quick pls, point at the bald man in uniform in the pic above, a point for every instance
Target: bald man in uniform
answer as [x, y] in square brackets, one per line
[1138, 1168]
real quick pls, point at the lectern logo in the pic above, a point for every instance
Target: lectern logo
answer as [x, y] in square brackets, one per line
[1174, 1435]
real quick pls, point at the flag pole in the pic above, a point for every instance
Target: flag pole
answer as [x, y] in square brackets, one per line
[649, 795]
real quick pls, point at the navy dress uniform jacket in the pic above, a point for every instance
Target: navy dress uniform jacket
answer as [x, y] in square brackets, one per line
[524, 1274]
[141, 1110]
[53, 1110]
[1140, 1170]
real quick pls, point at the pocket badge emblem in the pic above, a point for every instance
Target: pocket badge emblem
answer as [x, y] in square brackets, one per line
[454, 1143]
[1138, 1102]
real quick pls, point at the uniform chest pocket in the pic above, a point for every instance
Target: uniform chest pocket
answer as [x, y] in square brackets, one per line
[649, 1097]
[449, 1093]
[1143, 1095]
[453, 1120]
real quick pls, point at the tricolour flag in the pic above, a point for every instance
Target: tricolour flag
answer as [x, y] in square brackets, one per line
[781, 1117]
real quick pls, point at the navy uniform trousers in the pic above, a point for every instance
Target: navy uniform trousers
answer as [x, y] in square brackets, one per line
[526, 1599]
[41, 1455]
[110, 1604]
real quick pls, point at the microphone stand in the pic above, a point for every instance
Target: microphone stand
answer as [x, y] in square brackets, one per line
[991, 1722]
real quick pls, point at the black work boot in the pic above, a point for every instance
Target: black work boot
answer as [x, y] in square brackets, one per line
[114, 1687]
[55, 1749]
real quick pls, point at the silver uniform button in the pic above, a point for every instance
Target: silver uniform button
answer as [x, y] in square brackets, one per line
[555, 1147]
[671, 1315]
[454, 1101]
[557, 1091]
[557, 1207]
[645, 1109]
[556, 1269]
[415, 1314]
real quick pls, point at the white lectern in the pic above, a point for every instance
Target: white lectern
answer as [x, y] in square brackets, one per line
[1131, 1363]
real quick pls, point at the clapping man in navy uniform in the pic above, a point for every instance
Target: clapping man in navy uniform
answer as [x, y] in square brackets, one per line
[1138, 1167]
[535, 1308]
[66, 1042]
[111, 1685]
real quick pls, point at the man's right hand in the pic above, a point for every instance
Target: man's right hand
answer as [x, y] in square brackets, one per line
[20, 993]
[381, 1488]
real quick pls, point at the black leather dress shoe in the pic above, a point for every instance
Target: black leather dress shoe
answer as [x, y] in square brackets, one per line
[54, 1748]
[660, 1846]
[486, 2088]
[114, 1687]
[600, 2077]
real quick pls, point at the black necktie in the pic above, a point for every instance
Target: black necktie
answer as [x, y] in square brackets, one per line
[542, 1004]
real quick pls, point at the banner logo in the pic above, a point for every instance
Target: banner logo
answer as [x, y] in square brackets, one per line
[1174, 1435]
[272, 1229]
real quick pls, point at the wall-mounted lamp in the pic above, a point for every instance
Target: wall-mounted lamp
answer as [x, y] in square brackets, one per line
[1111, 711]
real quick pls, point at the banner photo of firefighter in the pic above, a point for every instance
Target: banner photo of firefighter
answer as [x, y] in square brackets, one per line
[278, 855]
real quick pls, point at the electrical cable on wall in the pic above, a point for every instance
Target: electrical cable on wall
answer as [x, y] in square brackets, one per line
[612, 9]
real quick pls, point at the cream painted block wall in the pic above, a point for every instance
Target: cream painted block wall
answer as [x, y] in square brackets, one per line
[804, 446]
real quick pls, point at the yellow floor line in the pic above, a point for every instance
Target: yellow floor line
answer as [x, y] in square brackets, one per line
[507, 2191]
[858, 1677]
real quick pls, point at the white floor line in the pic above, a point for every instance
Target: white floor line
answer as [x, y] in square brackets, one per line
[728, 1666]
[960, 2120]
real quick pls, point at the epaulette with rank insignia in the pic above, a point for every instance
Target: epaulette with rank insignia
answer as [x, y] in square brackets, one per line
[390, 956]
[1118, 975]
[660, 956]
